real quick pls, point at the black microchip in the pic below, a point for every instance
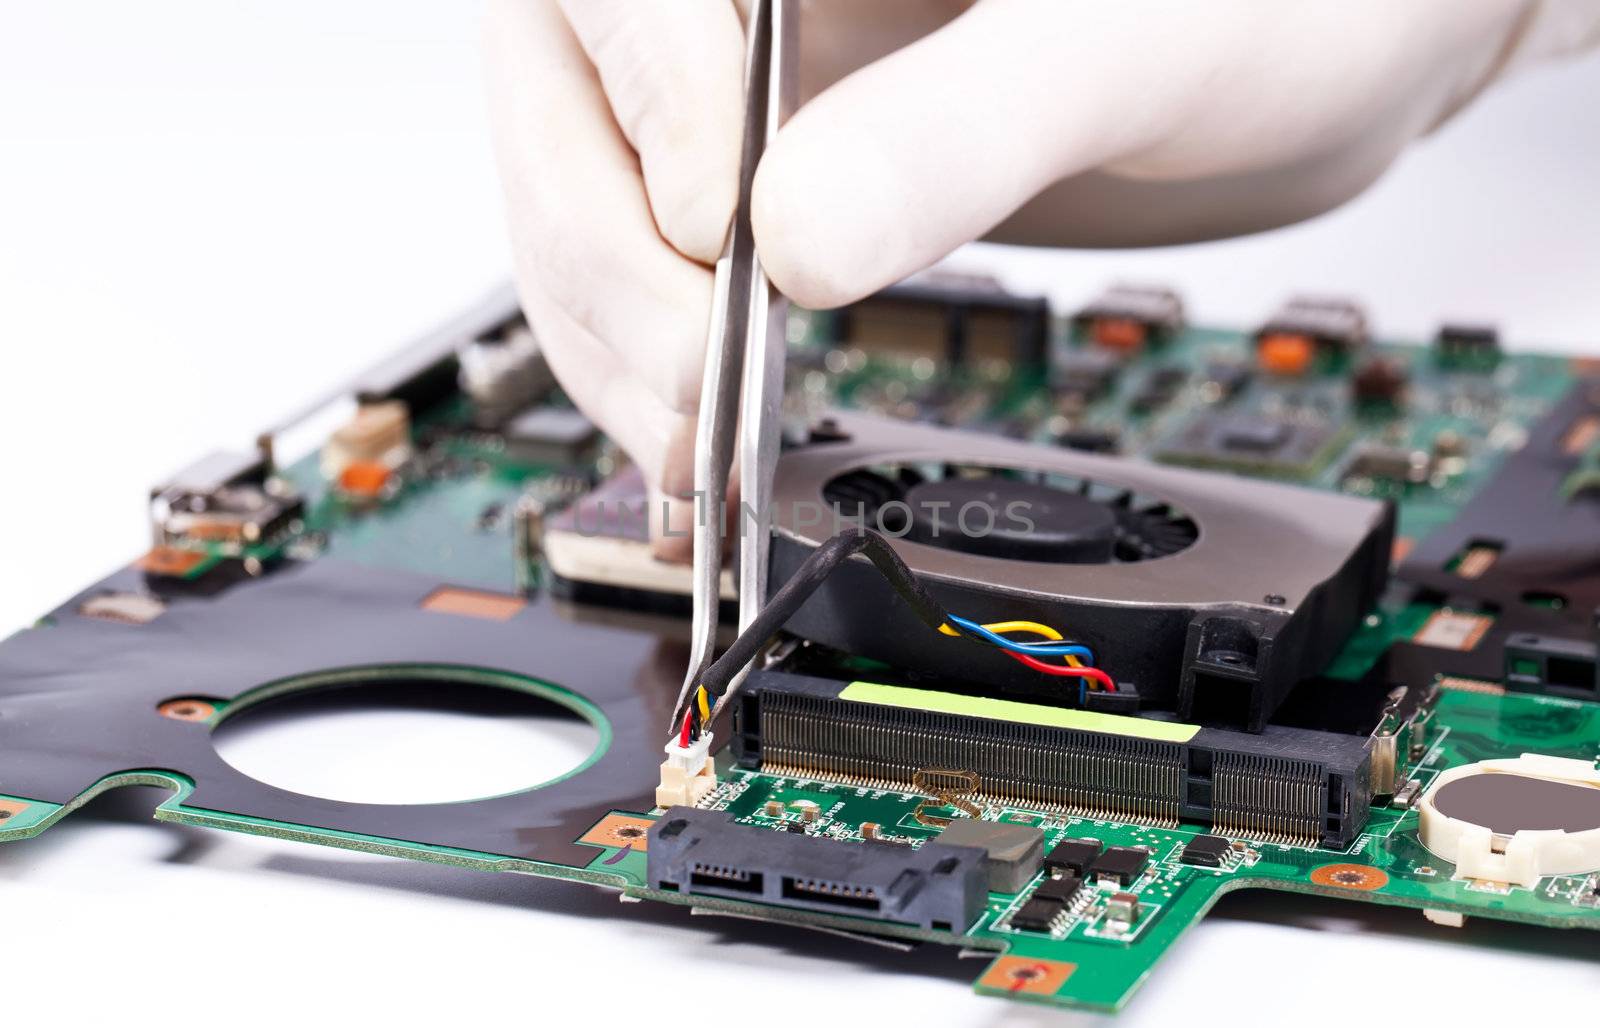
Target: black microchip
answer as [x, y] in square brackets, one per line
[1206, 851]
[1167, 378]
[1072, 855]
[550, 435]
[1158, 388]
[1254, 434]
[1468, 344]
[1253, 443]
[1122, 863]
[1085, 374]
[1090, 439]
[794, 826]
[1058, 890]
[1388, 464]
[1036, 915]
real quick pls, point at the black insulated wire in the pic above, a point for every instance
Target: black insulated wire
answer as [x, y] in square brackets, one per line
[810, 575]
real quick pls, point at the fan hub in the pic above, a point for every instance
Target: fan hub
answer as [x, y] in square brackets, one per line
[1011, 519]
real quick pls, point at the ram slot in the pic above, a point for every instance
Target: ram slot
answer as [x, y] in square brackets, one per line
[1269, 798]
[1077, 773]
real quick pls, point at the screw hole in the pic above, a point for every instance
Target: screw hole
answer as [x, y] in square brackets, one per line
[187, 708]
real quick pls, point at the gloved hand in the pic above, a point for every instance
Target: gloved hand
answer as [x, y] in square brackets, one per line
[926, 124]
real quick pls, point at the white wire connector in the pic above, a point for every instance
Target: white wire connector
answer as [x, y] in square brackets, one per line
[688, 773]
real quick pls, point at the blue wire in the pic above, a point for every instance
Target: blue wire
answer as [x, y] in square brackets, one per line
[1032, 649]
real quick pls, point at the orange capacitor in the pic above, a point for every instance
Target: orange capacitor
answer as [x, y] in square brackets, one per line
[363, 478]
[170, 561]
[1284, 353]
[1125, 334]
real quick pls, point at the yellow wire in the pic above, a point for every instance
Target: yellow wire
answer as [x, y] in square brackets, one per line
[1002, 627]
[705, 708]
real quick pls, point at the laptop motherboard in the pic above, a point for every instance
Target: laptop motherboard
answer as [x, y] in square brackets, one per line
[1340, 595]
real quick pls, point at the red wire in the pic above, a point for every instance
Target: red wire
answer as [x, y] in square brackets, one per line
[1094, 674]
[683, 736]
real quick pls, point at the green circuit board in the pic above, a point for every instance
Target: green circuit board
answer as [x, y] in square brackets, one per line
[1489, 409]
[452, 517]
[1109, 958]
[1091, 960]
[454, 514]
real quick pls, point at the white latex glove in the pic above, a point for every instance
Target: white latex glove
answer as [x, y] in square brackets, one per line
[927, 124]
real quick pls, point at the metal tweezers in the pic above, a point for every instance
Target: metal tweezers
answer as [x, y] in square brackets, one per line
[745, 347]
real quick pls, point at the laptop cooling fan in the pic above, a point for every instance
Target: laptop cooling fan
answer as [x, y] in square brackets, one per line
[1210, 595]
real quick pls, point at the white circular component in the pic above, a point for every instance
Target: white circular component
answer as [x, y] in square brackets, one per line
[1515, 820]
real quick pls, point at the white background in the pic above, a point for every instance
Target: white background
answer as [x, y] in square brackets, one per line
[209, 212]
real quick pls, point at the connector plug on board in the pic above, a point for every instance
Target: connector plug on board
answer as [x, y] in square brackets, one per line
[688, 773]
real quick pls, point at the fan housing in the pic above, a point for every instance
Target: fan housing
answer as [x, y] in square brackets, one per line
[1211, 594]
